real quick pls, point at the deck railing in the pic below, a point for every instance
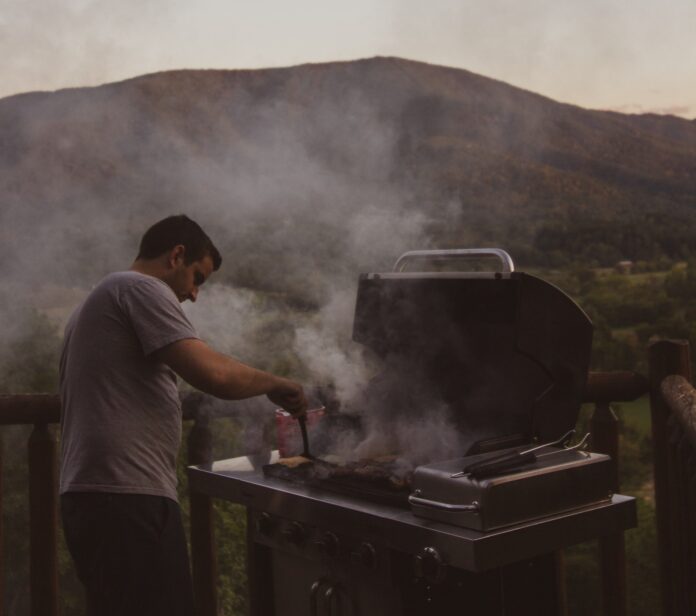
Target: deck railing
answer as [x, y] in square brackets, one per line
[43, 412]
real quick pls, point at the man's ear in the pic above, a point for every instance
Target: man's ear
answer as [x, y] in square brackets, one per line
[176, 255]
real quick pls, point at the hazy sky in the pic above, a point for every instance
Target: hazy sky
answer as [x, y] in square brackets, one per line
[629, 55]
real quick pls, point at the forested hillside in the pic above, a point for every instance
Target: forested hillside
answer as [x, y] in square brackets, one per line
[332, 168]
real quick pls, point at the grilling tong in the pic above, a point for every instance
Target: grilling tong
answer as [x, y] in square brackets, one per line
[515, 460]
[302, 420]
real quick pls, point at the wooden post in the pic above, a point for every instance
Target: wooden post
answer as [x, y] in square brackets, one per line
[690, 473]
[203, 554]
[680, 449]
[612, 553]
[677, 518]
[666, 357]
[43, 521]
[680, 397]
[2, 572]
[604, 426]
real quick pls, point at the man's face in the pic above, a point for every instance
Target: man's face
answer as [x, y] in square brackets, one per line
[185, 280]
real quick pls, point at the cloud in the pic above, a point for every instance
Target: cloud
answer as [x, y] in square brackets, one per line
[59, 43]
[684, 111]
[592, 53]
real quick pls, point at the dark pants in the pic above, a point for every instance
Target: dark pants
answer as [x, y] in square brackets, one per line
[130, 553]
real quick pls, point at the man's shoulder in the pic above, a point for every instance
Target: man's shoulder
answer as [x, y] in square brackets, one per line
[119, 290]
[123, 281]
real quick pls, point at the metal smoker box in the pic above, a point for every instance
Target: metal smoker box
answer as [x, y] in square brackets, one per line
[563, 482]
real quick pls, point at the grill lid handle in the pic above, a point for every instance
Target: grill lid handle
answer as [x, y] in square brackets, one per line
[454, 254]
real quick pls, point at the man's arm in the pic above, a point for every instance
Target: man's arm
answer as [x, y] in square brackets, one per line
[224, 377]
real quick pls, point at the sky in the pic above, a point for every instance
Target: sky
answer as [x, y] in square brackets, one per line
[627, 55]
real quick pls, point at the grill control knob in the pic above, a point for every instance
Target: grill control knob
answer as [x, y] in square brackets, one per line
[429, 565]
[295, 533]
[329, 544]
[366, 556]
[264, 524]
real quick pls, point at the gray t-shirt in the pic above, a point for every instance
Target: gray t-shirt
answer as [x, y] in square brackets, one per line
[121, 417]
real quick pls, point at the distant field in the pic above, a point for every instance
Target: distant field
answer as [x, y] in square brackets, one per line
[636, 414]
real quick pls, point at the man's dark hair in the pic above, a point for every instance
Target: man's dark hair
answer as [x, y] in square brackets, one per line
[174, 230]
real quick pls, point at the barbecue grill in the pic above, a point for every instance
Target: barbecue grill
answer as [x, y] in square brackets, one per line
[507, 355]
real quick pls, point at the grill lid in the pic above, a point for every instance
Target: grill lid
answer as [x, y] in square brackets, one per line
[507, 352]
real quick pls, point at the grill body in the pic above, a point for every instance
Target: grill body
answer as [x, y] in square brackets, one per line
[508, 354]
[388, 561]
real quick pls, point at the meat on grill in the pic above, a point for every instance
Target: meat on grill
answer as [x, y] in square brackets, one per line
[384, 472]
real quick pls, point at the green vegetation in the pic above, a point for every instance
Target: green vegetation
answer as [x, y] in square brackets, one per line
[657, 300]
[596, 242]
[630, 310]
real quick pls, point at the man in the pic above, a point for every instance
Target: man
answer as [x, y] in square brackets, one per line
[121, 422]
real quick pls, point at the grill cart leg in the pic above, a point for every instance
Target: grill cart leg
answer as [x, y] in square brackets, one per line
[259, 572]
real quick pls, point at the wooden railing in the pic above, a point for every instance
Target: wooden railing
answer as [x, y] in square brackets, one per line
[43, 411]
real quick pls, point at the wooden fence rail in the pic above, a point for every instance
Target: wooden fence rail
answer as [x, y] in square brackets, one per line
[43, 412]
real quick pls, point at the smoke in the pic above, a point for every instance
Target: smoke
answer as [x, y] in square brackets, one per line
[426, 436]
[247, 325]
[300, 190]
[324, 347]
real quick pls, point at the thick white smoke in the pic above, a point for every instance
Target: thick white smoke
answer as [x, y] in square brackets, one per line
[301, 195]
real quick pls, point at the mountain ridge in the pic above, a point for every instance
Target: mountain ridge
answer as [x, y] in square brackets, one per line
[446, 156]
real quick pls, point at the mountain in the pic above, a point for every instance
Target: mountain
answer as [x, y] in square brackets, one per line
[311, 173]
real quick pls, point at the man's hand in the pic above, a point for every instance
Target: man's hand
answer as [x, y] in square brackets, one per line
[290, 396]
